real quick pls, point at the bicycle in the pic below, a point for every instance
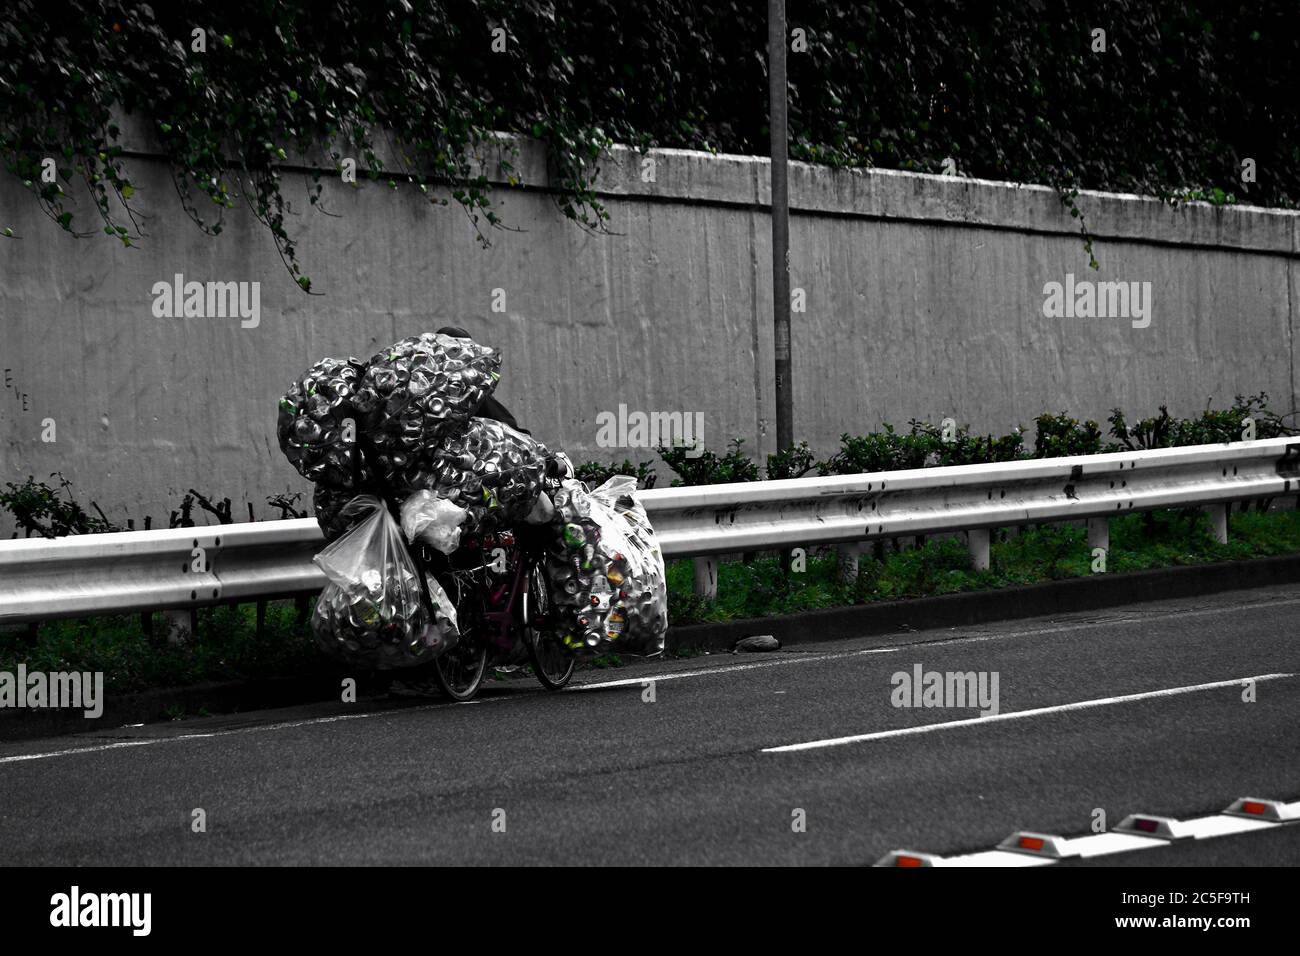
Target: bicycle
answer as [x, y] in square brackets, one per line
[497, 584]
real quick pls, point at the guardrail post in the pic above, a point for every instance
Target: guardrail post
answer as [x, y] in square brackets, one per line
[1218, 515]
[977, 541]
[849, 555]
[181, 625]
[706, 576]
[1099, 534]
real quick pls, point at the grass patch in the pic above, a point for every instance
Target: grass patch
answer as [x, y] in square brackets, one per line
[227, 648]
[1137, 542]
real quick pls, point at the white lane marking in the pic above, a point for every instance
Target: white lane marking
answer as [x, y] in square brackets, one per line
[282, 725]
[1103, 622]
[1021, 714]
[994, 858]
[732, 668]
[1224, 825]
[1097, 844]
[81, 750]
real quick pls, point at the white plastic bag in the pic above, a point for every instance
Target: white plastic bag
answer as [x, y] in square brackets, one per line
[372, 613]
[434, 520]
[606, 572]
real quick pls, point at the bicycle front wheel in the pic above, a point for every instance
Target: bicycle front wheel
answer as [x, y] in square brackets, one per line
[552, 664]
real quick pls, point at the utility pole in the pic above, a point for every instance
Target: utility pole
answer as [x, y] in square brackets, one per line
[776, 76]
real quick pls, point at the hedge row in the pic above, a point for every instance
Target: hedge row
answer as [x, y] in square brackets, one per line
[925, 445]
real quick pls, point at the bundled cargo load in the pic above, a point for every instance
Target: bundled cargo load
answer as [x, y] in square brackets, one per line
[492, 471]
[606, 572]
[318, 421]
[373, 612]
[423, 387]
[400, 432]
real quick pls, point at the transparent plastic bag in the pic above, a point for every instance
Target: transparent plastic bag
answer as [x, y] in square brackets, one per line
[606, 572]
[372, 612]
[435, 521]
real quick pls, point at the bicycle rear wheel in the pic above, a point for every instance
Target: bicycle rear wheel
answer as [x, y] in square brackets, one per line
[459, 671]
[552, 664]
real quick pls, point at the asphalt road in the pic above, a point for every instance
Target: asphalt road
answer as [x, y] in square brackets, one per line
[602, 775]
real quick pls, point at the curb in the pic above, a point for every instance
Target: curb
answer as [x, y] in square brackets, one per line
[155, 706]
[896, 618]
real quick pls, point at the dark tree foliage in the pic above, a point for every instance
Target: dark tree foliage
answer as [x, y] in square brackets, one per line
[1184, 93]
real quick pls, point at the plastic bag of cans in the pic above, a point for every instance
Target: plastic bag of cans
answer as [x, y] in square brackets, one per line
[422, 388]
[491, 470]
[372, 613]
[317, 422]
[606, 572]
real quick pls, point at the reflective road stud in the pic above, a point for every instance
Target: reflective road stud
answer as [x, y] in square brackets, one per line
[1143, 824]
[1035, 844]
[907, 858]
[1136, 831]
[1255, 809]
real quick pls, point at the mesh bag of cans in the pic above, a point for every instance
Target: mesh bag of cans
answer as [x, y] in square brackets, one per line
[488, 468]
[317, 422]
[606, 572]
[372, 613]
[422, 388]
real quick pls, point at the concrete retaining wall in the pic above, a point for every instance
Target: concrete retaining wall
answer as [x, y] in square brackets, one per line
[924, 297]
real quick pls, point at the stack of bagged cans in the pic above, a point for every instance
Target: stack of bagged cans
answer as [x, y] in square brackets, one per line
[606, 571]
[317, 423]
[411, 408]
[412, 405]
[420, 389]
[491, 470]
[382, 622]
[373, 611]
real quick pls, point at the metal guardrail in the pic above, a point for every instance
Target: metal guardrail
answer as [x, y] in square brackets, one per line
[183, 568]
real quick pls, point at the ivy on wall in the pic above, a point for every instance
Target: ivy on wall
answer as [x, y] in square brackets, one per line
[1171, 98]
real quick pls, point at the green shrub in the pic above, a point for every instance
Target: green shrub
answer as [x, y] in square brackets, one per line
[708, 468]
[594, 473]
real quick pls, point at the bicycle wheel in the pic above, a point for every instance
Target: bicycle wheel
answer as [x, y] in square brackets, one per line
[459, 671]
[552, 664]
